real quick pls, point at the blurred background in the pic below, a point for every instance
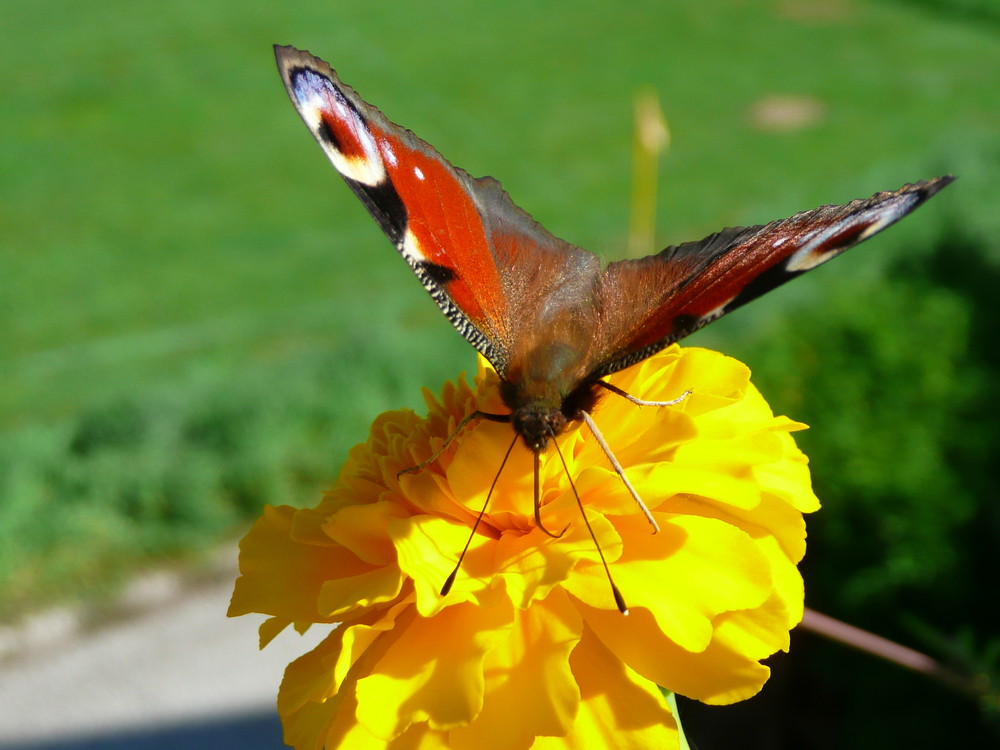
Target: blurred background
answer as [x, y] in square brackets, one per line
[197, 317]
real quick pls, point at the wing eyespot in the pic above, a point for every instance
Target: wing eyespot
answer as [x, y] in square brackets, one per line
[813, 255]
[328, 136]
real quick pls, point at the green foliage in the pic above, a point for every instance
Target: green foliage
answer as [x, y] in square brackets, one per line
[961, 10]
[168, 473]
[883, 384]
[127, 482]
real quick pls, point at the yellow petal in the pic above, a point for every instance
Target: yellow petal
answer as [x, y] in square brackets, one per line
[619, 708]
[693, 570]
[432, 670]
[270, 628]
[317, 711]
[715, 674]
[771, 521]
[362, 529]
[533, 564]
[530, 687]
[428, 550]
[280, 576]
[789, 478]
[310, 678]
[341, 595]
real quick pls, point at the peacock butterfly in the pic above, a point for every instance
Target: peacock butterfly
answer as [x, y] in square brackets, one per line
[546, 314]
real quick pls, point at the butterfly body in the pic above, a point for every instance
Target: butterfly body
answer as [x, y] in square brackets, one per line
[549, 317]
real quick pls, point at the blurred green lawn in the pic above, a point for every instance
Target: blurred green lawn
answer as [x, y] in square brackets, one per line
[197, 317]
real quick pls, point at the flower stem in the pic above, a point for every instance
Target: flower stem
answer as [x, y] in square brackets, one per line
[876, 645]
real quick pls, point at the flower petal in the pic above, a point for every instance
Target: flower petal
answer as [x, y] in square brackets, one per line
[619, 708]
[702, 567]
[789, 477]
[428, 550]
[362, 529]
[523, 702]
[280, 576]
[718, 674]
[533, 564]
[418, 679]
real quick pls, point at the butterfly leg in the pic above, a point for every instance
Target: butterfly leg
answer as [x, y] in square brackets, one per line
[638, 401]
[618, 467]
[475, 416]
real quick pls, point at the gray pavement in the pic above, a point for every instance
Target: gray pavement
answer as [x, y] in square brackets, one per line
[175, 673]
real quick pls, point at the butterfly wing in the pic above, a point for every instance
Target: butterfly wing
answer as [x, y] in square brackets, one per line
[473, 250]
[657, 300]
[539, 309]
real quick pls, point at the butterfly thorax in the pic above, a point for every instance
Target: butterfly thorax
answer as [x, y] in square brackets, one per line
[545, 394]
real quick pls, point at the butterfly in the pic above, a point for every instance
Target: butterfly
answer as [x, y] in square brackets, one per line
[548, 316]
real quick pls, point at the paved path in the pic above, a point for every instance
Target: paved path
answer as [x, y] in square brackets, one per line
[179, 674]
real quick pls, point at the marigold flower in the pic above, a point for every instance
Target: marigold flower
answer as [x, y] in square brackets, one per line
[528, 648]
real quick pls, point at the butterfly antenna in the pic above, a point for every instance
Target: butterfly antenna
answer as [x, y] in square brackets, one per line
[476, 415]
[638, 401]
[450, 581]
[619, 599]
[538, 508]
[618, 469]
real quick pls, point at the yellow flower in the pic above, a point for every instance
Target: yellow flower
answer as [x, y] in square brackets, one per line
[528, 648]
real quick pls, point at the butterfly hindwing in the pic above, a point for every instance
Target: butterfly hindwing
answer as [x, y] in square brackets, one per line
[672, 294]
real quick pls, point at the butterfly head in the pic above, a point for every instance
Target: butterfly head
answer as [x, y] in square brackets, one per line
[538, 419]
[536, 423]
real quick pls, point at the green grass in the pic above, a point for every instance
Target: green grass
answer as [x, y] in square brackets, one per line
[196, 316]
